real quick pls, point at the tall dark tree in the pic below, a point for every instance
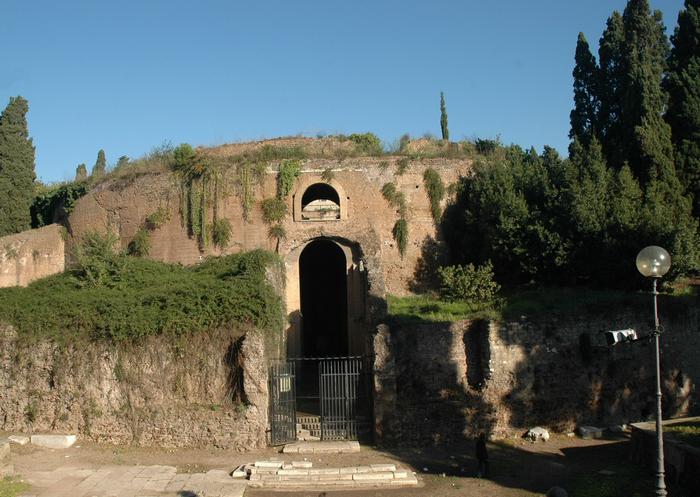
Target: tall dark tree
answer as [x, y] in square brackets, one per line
[81, 173]
[610, 88]
[586, 99]
[443, 118]
[100, 167]
[683, 86]
[646, 136]
[17, 174]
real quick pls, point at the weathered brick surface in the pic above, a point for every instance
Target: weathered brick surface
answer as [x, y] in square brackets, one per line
[31, 255]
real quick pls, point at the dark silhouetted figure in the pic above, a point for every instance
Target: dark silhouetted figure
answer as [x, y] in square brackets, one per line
[482, 456]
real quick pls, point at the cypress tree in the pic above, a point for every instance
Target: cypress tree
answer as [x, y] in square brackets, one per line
[646, 136]
[81, 173]
[100, 167]
[586, 101]
[443, 118]
[683, 86]
[610, 88]
[16, 168]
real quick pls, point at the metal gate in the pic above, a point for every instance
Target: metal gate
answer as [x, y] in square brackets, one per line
[283, 411]
[334, 392]
[343, 399]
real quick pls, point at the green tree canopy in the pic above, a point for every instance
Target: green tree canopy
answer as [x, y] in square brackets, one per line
[16, 168]
[100, 167]
[81, 172]
[586, 99]
[683, 86]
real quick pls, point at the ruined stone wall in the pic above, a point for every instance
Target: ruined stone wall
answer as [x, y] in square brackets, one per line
[31, 255]
[123, 204]
[454, 380]
[208, 390]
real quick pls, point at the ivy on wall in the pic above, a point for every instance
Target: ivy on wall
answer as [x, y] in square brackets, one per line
[397, 200]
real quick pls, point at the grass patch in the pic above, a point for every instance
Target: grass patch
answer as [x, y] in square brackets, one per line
[121, 298]
[514, 303]
[686, 432]
[11, 487]
[628, 480]
[427, 308]
[562, 300]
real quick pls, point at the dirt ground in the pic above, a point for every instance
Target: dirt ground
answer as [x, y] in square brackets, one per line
[517, 467]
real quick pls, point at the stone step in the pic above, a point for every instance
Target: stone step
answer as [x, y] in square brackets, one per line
[322, 447]
[381, 478]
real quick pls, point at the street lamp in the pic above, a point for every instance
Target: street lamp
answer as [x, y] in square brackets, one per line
[654, 262]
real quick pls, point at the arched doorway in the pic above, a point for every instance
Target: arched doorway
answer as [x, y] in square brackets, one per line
[324, 300]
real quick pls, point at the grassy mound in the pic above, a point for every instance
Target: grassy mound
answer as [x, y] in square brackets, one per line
[117, 297]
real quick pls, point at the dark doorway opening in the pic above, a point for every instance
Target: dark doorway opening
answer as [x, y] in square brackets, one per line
[324, 295]
[324, 311]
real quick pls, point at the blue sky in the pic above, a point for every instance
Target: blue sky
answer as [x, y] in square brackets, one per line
[128, 75]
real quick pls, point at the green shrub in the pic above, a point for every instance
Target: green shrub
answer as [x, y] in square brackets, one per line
[184, 158]
[141, 297]
[468, 283]
[486, 146]
[400, 234]
[289, 172]
[328, 175]
[140, 245]
[221, 233]
[274, 210]
[97, 262]
[55, 202]
[367, 143]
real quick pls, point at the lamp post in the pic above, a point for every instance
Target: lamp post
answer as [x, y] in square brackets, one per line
[654, 262]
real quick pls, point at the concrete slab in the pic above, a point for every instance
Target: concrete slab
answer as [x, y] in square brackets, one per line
[18, 439]
[379, 475]
[53, 441]
[322, 447]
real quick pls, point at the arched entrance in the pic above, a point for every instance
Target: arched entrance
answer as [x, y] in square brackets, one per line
[322, 388]
[324, 300]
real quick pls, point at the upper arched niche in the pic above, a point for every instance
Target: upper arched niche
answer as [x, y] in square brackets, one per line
[320, 201]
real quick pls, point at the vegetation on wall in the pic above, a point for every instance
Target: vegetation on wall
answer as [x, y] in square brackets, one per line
[402, 166]
[436, 192]
[400, 234]
[221, 233]
[55, 202]
[397, 200]
[288, 174]
[274, 210]
[328, 175]
[112, 296]
[249, 176]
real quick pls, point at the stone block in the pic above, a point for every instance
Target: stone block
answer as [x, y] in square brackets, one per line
[589, 432]
[379, 475]
[302, 464]
[400, 474]
[289, 472]
[334, 477]
[411, 480]
[53, 441]
[323, 471]
[18, 439]
[269, 464]
[382, 467]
